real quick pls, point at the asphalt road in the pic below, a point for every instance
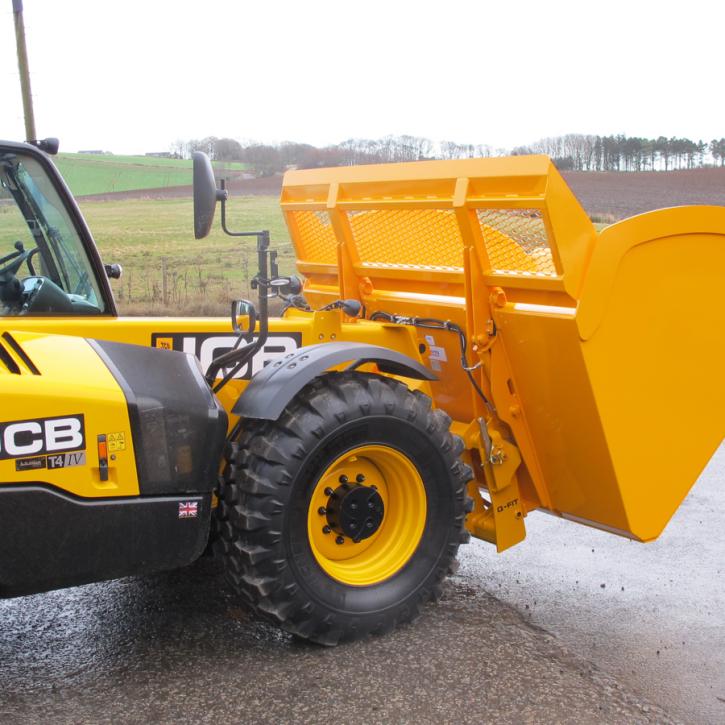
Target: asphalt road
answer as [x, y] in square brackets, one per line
[526, 637]
[651, 615]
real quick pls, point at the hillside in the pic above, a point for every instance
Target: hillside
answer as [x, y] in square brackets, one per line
[107, 173]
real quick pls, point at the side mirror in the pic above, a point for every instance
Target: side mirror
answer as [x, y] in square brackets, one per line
[113, 271]
[206, 194]
[49, 145]
[246, 308]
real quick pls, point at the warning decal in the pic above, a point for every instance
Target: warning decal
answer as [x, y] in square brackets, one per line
[116, 442]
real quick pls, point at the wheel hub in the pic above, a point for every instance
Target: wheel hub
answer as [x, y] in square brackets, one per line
[355, 511]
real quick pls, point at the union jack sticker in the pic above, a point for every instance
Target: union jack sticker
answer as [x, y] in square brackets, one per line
[188, 509]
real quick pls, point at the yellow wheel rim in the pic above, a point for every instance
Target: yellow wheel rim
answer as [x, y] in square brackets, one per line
[380, 555]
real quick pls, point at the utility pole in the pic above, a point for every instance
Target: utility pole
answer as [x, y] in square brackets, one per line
[30, 134]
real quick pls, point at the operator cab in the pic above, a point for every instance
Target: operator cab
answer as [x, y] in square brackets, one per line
[45, 267]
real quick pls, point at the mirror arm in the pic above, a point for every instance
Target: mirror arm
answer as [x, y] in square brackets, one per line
[223, 196]
[242, 355]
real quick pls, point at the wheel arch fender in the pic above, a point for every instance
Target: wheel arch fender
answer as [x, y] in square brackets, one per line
[273, 387]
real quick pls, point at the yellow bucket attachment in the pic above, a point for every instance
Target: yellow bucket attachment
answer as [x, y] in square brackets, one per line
[603, 353]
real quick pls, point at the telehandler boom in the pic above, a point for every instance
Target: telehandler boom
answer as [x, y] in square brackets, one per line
[465, 349]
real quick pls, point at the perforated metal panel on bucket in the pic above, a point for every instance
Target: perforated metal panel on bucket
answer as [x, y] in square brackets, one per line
[315, 236]
[408, 239]
[516, 241]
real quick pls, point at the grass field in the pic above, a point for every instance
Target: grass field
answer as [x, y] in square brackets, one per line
[104, 173]
[167, 271]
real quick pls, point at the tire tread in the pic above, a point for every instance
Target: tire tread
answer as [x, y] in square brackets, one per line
[256, 483]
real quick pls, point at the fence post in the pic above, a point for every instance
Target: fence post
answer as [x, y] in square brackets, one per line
[164, 285]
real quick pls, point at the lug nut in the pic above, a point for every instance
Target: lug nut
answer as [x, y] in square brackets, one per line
[328, 491]
[340, 540]
[353, 506]
[353, 525]
[369, 524]
[360, 477]
[374, 487]
[343, 479]
[326, 529]
[322, 510]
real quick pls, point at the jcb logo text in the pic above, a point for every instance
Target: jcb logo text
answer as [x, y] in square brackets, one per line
[21, 438]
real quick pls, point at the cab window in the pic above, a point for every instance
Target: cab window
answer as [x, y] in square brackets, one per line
[43, 264]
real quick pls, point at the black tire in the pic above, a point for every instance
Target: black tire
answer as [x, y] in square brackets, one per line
[267, 487]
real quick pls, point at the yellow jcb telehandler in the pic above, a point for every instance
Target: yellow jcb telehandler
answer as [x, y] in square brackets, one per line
[465, 349]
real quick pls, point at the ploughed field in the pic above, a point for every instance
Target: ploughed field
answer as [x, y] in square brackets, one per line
[612, 195]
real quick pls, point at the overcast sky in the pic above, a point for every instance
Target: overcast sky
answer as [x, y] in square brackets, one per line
[134, 75]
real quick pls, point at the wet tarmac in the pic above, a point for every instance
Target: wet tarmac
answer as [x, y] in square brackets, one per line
[526, 637]
[651, 615]
[171, 648]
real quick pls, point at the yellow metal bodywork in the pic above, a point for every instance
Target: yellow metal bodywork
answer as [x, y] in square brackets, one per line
[601, 353]
[311, 329]
[70, 380]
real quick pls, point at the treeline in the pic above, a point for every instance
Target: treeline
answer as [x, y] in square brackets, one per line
[583, 152]
[579, 152]
[270, 159]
